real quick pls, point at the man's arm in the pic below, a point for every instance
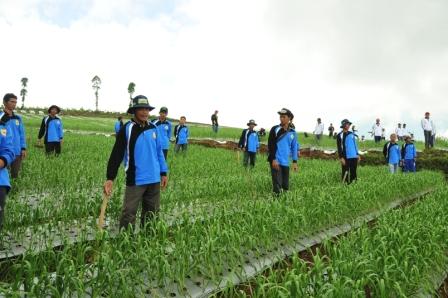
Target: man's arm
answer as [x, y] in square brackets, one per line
[117, 155]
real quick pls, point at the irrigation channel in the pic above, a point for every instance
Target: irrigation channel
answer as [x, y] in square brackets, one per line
[257, 262]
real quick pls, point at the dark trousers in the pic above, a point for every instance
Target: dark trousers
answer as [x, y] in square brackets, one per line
[148, 195]
[3, 193]
[377, 139]
[181, 147]
[249, 158]
[280, 179]
[165, 153]
[349, 170]
[51, 147]
[429, 140]
[409, 166]
[15, 167]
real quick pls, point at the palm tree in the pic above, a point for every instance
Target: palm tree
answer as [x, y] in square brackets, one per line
[23, 92]
[131, 90]
[96, 86]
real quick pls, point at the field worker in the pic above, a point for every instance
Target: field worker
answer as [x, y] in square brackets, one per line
[6, 158]
[330, 130]
[51, 128]
[181, 133]
[391, 152]
[347, 152]
[215, 124]
[118, 124]
[408, 155]
[164, 126]
[399, 131]
[139, 144]
[17, 130]
[428, 130]
[249, 143]
[283, 144]
[405, 131]
[319, 130]
[377, 131]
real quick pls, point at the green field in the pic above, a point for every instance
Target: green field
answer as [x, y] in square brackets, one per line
[215, 218]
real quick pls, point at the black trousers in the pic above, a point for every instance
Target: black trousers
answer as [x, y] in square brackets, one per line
[429, 141]
[377, 139]
[349, 170]
[165, 153]
[51, 147]
[3, 193]
[249, 158]
[280, 179]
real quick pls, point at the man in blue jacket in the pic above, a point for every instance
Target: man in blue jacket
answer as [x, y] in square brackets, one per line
[164, 126]
[348, 152]
[6, 158]
[52, 130]
[181, 133]
[408, 155]
[17, 130]
[282, 145]
[118, 124]
[139, 144]
[249, 143]
[391, 152]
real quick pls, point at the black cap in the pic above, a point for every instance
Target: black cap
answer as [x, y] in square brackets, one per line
[344, 122]
[286, 112]
[163, 110]
[140, 101]
[251, 122]
[54, 107]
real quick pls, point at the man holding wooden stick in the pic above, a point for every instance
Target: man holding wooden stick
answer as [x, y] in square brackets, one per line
[139, 144]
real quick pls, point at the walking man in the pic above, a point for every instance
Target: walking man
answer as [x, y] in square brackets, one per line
[215, 122]
[377, 131]
[399, 131]
[249, 143]
[139, 144]
[319, 130]
[6, 158]
[164, 126]
[408, 155]
[51, 128]
[330, 130]
[181, 133]
[348, 152]
[282, 144]
[118, 124]
[429, 131]
[17, 131]
[392, 154]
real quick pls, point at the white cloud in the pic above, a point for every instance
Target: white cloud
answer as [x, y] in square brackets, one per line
[244, 58]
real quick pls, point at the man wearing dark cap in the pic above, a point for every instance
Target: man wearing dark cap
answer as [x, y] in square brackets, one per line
[215, 124]
[17, 130]
[282, 144]
[139, 144]
[348, 152]
[249, 143]
[52, 129]
[164, 126]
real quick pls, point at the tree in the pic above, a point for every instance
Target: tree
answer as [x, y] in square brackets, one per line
[131, 90]
[96, 86]
[24, 91]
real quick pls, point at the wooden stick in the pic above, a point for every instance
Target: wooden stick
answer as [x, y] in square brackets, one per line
[103, 212]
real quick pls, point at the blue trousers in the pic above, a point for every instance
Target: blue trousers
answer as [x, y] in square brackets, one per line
[409, 165]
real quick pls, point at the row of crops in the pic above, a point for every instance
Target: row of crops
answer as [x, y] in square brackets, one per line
[216, 219]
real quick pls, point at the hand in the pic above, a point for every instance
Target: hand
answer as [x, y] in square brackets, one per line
[342, 162]
[275, 165]
[2, 164]
[164, 182]
[295, 168]
[359, 158]
[23, 154]
[62, 141]
[39, 141]
[107, 188]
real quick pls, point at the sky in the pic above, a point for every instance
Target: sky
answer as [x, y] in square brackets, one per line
[355, 59]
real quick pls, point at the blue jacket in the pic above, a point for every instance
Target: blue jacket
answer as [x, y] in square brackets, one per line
[164, 131]
[181, 133]
[118, 126]
[408, 151]
[249, 140]
[52, 129]
[6, 154]
[17, 131]
[392, 153]
[347, 147]
[283, 145]
[141, 149]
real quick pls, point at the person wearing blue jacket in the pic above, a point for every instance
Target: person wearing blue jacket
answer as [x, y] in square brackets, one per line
[164, 126]
[181, 133]
[249, 143]
[391, 152]
[17, 130]
[118, 124]
[408, 155]
[7, 156]
[52, 130]
[283, 144]
[348, 152]
[139, 144]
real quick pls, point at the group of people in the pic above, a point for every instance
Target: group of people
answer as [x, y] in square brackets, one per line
[405, 157]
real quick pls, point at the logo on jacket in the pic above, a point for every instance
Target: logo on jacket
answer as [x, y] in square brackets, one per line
[17, 122]
[3, 132]
[292, 137]
[154, 136]
[166, 127]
